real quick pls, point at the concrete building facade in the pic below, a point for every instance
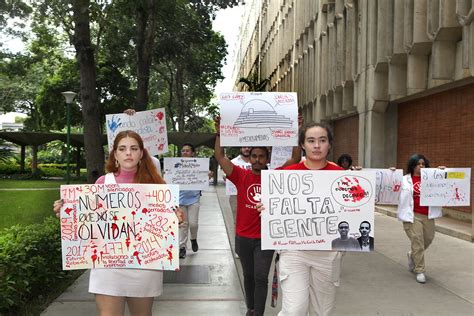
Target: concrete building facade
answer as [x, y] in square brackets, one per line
[393, 77]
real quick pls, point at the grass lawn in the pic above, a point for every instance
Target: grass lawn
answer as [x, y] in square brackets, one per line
[29, 206]
[10, 184]
[26, 207]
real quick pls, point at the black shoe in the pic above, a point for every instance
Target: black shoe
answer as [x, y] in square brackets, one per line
[250, 312]
[182, 253]
[194, 245]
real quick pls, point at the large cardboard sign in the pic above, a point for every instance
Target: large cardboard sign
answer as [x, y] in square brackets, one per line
[280, 155]
[150, 125]
[387, 186]
[119, 226]
[259, 119]
[445, 187]
[189, 173]
[304, 210]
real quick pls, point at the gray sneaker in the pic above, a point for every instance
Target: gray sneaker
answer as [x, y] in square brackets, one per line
[411, 263]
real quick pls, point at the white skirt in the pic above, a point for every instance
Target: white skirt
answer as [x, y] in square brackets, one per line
[126, 282]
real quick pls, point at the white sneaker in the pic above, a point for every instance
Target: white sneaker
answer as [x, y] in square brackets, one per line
[411, 263]
[420, 278]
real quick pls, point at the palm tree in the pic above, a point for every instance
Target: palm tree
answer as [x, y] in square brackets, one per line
[6, 153]
[253, 82]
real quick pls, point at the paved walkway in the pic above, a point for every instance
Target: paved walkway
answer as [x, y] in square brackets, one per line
[372, 284]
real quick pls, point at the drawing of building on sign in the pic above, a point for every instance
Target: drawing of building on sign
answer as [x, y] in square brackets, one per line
[261, 114]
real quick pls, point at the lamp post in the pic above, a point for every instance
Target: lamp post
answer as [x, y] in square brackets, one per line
[69, 96]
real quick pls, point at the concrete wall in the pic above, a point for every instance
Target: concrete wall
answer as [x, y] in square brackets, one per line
[441, 127]
[370, 60]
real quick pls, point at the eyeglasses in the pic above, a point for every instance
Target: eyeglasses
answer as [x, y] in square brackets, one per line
[343, 227]
[364, 228]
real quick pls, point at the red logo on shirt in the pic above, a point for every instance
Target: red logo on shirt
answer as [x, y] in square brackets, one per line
[253, 193]
[416, 188]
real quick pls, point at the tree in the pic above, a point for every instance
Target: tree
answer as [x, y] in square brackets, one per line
[90, 107]
[254, 83]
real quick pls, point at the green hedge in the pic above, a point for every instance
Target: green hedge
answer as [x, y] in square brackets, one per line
[30, 265]
[46, 170]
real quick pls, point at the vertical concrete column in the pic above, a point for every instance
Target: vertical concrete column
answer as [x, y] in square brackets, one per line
[382, 12]
[471, 49]
[417, 73]
[375, 138]
[408, 22]
[445, 30]
[329, 104]
[324, 63]
[349, 45]
[337, 102]
[321, 115]
[397, 73]
[372, 32]
[348, 97]
[317, 66]
[340, 47]
[421, 43]
[443, 51]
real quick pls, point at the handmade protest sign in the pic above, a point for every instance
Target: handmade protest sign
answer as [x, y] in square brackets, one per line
[119, 226]
[258, 119]
[445, 187]
[280, 155]
[314, 210]
[151, 125]
[189, 173]
[387, 185]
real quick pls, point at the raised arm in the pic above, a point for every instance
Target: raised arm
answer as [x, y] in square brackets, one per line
[226, 165]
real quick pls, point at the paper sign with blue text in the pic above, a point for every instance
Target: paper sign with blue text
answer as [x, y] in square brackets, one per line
[150, 125]
[190, 173]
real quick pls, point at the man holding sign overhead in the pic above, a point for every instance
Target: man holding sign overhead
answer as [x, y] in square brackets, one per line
[255, 261]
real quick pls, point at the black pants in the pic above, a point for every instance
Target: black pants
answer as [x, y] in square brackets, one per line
[256, 265]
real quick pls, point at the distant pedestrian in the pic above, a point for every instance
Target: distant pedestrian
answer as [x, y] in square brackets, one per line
[345, 161]
[189, 202]
[418, 221]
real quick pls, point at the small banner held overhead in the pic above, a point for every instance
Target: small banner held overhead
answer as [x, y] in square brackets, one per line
[259, 119]
[150, 125]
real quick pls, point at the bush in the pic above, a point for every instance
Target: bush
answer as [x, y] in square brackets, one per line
[30, 264]
[11, 168]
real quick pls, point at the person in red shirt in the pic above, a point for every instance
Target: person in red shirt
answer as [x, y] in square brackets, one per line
[309, 278]
[255, 261]
[418, 221]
